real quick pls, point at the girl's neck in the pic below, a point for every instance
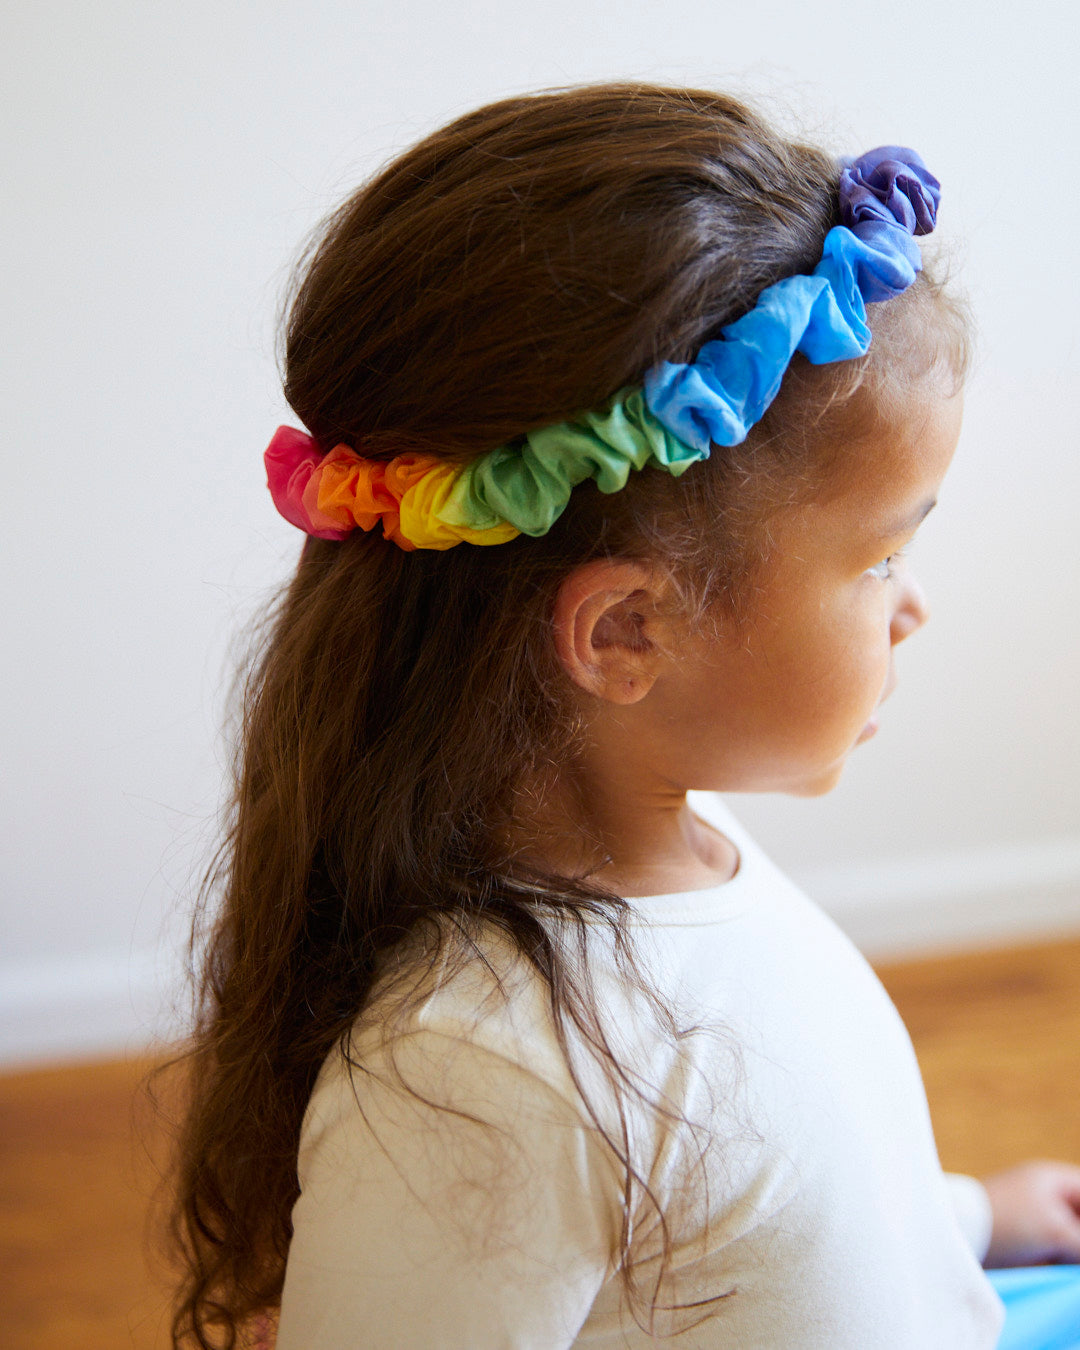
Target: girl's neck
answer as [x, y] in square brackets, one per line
[647, 842]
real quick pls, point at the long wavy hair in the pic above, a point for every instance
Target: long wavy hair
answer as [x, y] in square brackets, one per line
[511, 270]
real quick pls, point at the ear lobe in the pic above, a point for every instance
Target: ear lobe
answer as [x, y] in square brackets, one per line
[604, 629]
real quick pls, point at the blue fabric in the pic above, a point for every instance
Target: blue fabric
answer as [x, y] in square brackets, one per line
[886, 197]
[1042, 1307]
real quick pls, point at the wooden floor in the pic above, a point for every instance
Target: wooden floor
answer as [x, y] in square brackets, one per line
[997, 1033]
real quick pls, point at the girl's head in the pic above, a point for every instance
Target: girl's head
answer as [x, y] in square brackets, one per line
[409, 710]
[525, 264]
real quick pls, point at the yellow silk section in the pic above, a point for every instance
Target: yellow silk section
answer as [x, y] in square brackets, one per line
[417, 498]
[431, 518]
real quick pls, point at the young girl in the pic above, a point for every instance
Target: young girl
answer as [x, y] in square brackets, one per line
[622, 411]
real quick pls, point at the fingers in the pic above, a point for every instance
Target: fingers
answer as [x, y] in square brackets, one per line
[1036, 1214]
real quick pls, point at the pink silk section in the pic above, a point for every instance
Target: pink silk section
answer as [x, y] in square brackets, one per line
[330, 495]
[291, 458]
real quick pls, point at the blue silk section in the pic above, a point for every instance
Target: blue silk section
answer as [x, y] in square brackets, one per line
[885, 197]
[1042, 1307]
[720, 396]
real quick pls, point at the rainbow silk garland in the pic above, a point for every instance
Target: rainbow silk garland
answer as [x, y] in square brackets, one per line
[886, 197]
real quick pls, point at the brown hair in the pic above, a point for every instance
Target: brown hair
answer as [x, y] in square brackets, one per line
[514, 268]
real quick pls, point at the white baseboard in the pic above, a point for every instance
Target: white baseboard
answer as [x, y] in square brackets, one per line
[955, 901]
[116, 1003]
[88, 1006]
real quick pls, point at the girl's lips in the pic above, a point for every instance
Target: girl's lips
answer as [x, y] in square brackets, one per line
[890, 685]
[872, 726]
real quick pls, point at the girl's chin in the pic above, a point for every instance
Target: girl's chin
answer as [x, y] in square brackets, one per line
[818, 784]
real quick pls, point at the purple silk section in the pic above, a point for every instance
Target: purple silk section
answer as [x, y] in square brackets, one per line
[889, 184]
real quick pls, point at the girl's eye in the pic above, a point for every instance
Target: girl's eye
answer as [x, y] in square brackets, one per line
[884, 569]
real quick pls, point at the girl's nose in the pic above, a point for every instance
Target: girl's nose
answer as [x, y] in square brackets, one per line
[912, 611]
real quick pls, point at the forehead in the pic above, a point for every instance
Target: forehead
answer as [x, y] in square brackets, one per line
[899, 463]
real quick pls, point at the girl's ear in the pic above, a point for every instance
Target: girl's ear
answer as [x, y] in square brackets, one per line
[608, 629]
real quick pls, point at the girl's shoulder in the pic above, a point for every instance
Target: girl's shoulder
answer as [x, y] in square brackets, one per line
[472, 1025]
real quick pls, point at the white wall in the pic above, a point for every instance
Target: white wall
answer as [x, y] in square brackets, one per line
[164, 162]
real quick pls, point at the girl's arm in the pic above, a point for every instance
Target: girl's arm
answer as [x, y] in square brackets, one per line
[486, 1220]
[974, 1213]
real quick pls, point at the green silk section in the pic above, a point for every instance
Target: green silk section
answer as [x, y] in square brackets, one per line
[528, 484]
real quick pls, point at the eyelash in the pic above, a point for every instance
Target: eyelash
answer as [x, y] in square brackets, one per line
[886, 563]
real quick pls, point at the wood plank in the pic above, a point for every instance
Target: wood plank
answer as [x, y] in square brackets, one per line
[80, 1157]
[998, 1038]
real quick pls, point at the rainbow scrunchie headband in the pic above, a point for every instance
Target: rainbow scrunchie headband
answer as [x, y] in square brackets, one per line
[886, 197]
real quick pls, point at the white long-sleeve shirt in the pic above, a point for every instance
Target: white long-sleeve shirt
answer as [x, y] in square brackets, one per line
[806, 1188]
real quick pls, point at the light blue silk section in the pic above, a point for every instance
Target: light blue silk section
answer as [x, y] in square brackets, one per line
[718, 397]
[1042, 1307]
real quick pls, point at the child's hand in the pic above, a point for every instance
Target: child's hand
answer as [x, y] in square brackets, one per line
[1036, 1214]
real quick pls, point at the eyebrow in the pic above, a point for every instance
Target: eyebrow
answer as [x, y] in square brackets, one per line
[910, 521]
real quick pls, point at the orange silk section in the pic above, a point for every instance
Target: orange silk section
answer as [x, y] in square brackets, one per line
[345, 490]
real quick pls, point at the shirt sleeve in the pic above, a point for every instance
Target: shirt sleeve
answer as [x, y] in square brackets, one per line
[973, 1210]
[448, 1197]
